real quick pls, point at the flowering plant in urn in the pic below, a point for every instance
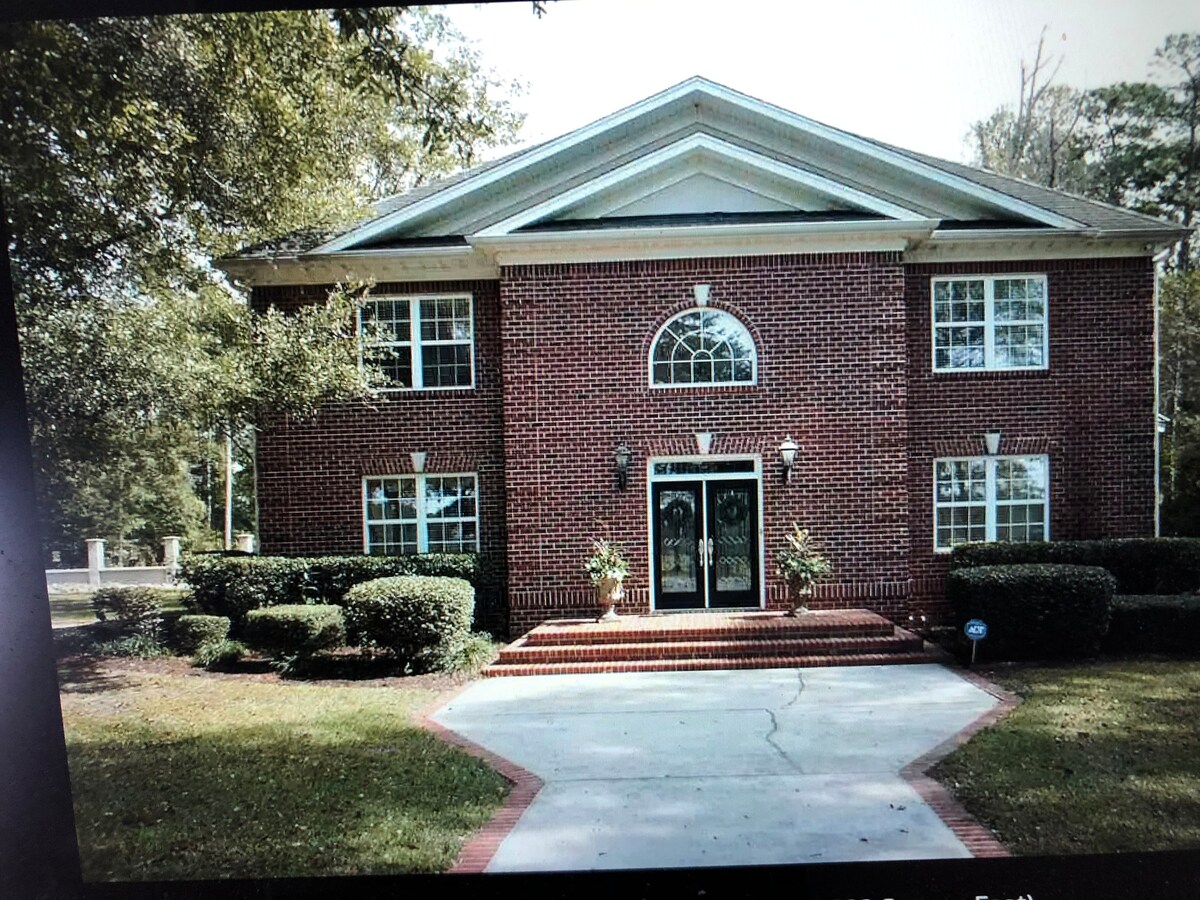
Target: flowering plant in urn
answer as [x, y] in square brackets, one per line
[800, 566]
[607, 568]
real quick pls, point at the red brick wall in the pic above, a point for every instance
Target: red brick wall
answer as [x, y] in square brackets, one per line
[1091, 412]
[830, 332]
[310, 473]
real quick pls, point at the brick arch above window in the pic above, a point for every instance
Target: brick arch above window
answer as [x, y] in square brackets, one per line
[702, 346]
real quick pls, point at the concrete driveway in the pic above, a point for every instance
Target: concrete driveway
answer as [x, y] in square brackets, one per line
[752, 767]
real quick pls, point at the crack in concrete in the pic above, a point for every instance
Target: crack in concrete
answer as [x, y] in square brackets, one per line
[799, 689]
[774, 746]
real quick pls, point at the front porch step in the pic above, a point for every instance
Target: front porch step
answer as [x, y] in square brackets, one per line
[779, 646]
[692, 665]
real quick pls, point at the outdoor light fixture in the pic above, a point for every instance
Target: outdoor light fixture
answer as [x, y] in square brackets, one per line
[621, 457]
[704, 442]
[701, 291]
[991, 440]
[787, 452]
[418, 461]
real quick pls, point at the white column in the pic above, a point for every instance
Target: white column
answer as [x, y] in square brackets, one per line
[245, 541]
[171, 552]
[95, 548]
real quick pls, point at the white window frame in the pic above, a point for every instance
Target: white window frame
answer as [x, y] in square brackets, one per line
[415, 343]
[422, 519]
[702, 384]
[989, 322]
[990, 502]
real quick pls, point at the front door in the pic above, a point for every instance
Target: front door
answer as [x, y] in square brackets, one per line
[705, 544]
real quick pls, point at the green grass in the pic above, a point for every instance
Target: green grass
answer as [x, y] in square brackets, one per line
[75, 608]
[183, 775]
[1099, 758]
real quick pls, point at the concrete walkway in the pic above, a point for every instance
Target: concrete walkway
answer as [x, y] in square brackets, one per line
[753, 767]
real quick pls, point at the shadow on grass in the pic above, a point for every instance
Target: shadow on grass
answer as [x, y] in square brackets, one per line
[336, 797]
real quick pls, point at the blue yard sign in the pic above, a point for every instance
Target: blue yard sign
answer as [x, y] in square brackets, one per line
[976, 629]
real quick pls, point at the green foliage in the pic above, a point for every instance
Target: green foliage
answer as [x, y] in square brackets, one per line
[798, 562]
[424, 621]
[1034, 611]
[232, 586]
[478, 650]
[607, 561]
[193, 632]
[136, 610]
[295, 630]
[1140, 565]
[140, 646]
[1154, 624]
[218, 654]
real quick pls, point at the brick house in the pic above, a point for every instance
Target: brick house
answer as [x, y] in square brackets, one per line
[624, 332]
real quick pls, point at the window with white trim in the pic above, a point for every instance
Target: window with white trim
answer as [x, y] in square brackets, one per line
[989, 323]
[420, 343]
[990, 498]
[420, 514]
[703, 346]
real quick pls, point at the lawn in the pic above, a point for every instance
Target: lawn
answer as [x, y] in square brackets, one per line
[75, 607]
[1099, 758]
[179, 773]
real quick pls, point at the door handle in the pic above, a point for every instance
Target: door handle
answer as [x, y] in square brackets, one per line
[700, 551]
[710, 551]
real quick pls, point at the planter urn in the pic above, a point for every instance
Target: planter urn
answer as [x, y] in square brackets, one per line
[609, 592]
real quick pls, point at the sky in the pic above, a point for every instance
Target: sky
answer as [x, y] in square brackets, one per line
[915, 74]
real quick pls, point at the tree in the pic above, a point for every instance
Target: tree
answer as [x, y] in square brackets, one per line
[132, 151]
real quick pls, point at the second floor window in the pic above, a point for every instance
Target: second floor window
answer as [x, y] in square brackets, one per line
[420, 342]
[703, 347]
[989, 323]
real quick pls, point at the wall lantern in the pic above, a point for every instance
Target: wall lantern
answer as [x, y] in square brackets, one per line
[787, 453]
[701, 292]
[991, 440]
[621, 457]
[418, 461]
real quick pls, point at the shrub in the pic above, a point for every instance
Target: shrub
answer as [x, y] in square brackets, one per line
[142, 646]
[295, 629]
[1154, 624]
[192, 632]
[232, 586]
[217, 654]
[1140, 565]
[135, 610]
[476, 652]
[1040, 611]
[423, 620]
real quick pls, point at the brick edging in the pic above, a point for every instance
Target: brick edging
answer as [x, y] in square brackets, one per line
[977, 837]
[478, 851]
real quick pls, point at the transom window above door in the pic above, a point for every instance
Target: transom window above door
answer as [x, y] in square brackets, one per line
[703, 347]
[420, 343]
[989, 323]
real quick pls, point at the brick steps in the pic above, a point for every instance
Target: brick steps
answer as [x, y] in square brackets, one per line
[699, 641]
[524, 652]
[692, 665]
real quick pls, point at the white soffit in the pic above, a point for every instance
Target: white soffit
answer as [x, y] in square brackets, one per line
[695, 153]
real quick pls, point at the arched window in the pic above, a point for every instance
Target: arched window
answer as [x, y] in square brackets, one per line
[703, 346]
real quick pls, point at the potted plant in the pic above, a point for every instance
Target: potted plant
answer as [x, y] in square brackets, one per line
[801, 567]
[607, 568]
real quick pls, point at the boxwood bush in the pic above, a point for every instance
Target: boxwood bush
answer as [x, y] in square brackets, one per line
[295, 630]
[1154, 624]
[232, 586]
[1140, 565]
[425, 621]
[1036, 611]
[134, 610]
[193, 632]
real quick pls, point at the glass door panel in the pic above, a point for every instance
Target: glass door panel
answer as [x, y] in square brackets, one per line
[678, 525]
[733, 536]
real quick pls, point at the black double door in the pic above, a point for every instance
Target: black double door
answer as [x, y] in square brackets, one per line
[705, 544]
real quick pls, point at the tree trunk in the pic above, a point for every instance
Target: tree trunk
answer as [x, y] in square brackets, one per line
[229, 487]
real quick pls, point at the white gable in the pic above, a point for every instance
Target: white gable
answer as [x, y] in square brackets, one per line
[700, 193]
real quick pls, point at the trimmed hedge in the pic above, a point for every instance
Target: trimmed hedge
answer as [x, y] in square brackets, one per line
[1154, 624]
[137, 610]
[296, 629]
[193, 632]
[1140, 565]
[424, 621]
[232, 586]
[1038, 611]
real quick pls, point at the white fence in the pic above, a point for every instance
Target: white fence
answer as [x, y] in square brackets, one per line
[98, 574]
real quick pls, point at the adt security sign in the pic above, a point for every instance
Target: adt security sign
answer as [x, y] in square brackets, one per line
[976, 630]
